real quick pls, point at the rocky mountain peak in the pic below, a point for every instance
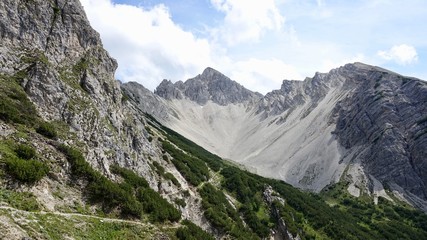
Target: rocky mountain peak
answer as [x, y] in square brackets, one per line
[210, 74]
[211, 85]
[168, 90]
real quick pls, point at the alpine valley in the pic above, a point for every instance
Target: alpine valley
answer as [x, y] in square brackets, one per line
[341, 155]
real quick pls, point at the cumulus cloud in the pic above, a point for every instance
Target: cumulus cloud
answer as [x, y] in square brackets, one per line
[148, 45]
[402, 54]
[262, 75]
[246, 20]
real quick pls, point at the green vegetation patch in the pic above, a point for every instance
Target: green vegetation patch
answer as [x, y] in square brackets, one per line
[190, 231]
[133, 197]
[21, 163]
[193, 169]
[166, 175]
[15, 107]
[20, 200]
[213, 161]
[248, 190]
[59, 227]
[28, 171]
[221, 214]
[47, 129]
[25, 151]
[159, 209]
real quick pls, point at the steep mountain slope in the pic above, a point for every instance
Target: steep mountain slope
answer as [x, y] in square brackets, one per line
[359, 121]
[58, 91]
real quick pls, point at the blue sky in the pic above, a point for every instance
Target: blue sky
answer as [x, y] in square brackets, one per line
[259, 43]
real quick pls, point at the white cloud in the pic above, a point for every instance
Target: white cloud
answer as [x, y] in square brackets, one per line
[320, 3]
[402, 54]
[148, 45]
[262, 75]
[328, 64]
[246, 20]
[250, 41]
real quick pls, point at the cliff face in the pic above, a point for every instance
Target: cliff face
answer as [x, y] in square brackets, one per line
[383, 123]
[69, 76]
[51, 51]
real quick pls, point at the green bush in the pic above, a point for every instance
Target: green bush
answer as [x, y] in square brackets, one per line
[15, 107]
[218, 210]
[190, 231]
[180, 202]
[79, 166]
[112, 195]
[193, 169]
[130, 177]
[99, 188]
[48, 130]
[213, 161]
[25, 151]
[166, 175]
[147, 199]
[170, 176]
[160, 210]
[28, 171]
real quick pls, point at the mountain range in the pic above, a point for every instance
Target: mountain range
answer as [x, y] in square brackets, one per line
[84, 156]
[359, 122]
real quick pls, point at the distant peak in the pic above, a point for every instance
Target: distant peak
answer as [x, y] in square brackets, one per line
[209, 69]
[209, 72]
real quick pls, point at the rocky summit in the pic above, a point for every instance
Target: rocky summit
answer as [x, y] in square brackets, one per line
[211, 85]
[360, 123]
[83, 156]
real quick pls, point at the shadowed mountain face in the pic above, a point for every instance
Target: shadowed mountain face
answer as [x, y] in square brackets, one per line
[358, 122]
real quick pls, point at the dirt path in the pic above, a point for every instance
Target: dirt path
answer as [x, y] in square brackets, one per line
[86, 216]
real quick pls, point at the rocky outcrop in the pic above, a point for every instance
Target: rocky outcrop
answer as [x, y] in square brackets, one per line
[296, 93]
[150, 103]
[281, 231]
[211, 85]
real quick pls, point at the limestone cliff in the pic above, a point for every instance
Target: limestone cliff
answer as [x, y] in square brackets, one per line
[51, 51]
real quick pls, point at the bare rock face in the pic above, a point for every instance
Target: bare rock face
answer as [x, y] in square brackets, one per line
[385, 118]
[145, 100]
[210, 85]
